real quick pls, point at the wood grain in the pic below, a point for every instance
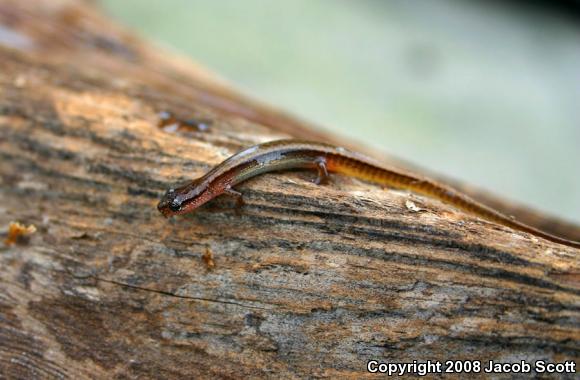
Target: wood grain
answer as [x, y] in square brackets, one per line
[307, 281]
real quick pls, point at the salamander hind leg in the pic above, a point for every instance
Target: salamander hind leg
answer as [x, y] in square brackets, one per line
[323, 176]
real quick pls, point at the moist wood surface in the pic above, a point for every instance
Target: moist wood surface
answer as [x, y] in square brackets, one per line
[304, 281]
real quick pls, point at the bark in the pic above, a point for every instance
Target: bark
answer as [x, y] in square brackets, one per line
[305, 281]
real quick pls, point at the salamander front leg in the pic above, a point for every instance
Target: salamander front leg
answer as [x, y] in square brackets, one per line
[322, 171]
[239, 198]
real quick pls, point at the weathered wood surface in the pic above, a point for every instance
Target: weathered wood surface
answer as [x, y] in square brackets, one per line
[307, 281]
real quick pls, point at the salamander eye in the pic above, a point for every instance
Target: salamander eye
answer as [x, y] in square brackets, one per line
[175, 205]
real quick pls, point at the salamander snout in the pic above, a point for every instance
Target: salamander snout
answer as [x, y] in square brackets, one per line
[170, 203]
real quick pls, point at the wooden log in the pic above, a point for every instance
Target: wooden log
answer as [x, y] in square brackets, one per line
[306, 281]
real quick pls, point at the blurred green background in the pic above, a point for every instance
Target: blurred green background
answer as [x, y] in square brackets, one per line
[483, 91]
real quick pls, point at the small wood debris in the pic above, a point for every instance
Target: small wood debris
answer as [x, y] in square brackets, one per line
[18, 233]
[412, 206]
[169, 123]
[208, 258]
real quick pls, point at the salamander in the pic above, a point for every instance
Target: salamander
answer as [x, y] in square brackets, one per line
[324, 158]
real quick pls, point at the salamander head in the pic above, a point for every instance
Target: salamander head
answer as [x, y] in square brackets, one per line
[184, 199]
[170, 204]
